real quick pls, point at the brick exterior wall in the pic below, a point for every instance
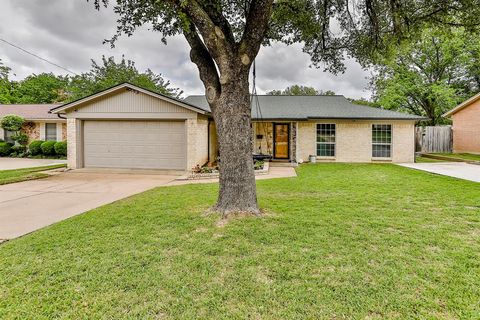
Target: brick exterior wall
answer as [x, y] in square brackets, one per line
[197, 141]
[64, 131]
[72, 143]
[354, 141]
[466, 129]
[32, 130]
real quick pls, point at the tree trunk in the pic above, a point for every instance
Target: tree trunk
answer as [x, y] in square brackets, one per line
[232, 115]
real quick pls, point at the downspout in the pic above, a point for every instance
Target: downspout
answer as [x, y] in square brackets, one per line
[58, 115]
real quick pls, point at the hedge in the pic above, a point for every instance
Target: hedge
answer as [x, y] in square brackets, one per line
[48, 148]
[35, 147]
[5, 149]
[61, 148]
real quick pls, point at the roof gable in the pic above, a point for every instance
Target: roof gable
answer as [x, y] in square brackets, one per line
[122, 88]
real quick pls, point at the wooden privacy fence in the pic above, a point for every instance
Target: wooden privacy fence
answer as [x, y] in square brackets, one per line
[433, 139]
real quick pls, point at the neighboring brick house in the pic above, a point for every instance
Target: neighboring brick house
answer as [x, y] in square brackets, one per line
[466, 125]
[130, 127]
[39, 123]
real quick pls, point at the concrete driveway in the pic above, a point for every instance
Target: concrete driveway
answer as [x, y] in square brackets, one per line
[20, 163]
[460, 170]
[31, 205]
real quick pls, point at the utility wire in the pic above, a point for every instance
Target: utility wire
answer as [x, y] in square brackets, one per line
[37, 56]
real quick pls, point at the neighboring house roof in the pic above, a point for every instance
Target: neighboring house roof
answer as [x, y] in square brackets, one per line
[311, 107]
[29, 111]
[128, 86]
[462, 105]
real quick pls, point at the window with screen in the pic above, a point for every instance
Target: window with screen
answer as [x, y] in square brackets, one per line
[51, 131]
[326, 140]
[381, 141]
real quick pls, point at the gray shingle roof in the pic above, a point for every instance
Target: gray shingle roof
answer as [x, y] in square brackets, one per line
[311, 107]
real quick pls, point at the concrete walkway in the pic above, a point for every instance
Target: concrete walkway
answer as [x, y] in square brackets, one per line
[31, 205]
[20, 163]
[460, 170]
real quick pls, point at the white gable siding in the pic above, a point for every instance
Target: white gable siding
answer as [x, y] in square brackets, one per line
[131, 104]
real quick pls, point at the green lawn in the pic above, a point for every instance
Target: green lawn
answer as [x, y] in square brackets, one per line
[427, 160]
[465, 156]
[341, 241]
[17, 175]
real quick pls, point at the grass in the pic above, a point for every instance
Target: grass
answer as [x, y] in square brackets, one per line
[341, 241]
[464, 156]
[18, 175]
[427, 160]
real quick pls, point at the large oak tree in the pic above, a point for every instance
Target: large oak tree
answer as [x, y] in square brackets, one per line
[430, 75]
[226, 35]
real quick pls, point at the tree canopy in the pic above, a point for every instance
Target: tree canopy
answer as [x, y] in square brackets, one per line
[110, 73]
[299, 90]
[430, 75]
[6, 85]
[51, 88]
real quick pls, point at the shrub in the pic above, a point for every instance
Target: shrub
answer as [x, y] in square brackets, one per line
[21, 138]
[61, 148]
[12, 122]
[5, 149]
[35, 148]
[18, 151]
[48, 148]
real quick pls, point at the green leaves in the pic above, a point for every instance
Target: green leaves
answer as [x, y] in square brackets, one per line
[51, 88]
[110, 73]
[298, 90]
[12, 123]
[430, 75]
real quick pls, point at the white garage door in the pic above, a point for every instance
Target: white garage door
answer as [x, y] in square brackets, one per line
[134, 144]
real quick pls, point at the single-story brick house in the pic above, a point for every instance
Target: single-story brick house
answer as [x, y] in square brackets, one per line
[130, 127]
[466, 125]
[39, 123]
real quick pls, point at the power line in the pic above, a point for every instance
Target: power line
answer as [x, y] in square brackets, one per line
[38, 57]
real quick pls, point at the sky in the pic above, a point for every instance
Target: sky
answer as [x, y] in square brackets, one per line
[71, 32]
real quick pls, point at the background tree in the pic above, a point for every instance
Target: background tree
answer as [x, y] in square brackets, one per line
[6, 85]
[42, 88]
[299, 90]
[430, 75]
[295, 90]
[225, 37]
[110, 73]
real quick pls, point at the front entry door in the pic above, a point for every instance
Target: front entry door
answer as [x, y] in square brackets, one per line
[281, 138]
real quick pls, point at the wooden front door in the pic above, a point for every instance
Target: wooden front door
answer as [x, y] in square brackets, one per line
[281, 138]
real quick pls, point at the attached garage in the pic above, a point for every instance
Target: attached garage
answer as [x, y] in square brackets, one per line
[134, 144]
[133, 128]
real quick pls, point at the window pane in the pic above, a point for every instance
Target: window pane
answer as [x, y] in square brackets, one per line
[381, 151]
[8, 136]
[51, 131]
[381, 140]
[326, 139]
[326, 150]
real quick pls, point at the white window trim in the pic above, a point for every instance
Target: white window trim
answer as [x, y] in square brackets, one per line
[45, 130]
[383, 144]
[334, 143]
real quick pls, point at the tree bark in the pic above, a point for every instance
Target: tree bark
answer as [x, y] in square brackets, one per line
[232, 115]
